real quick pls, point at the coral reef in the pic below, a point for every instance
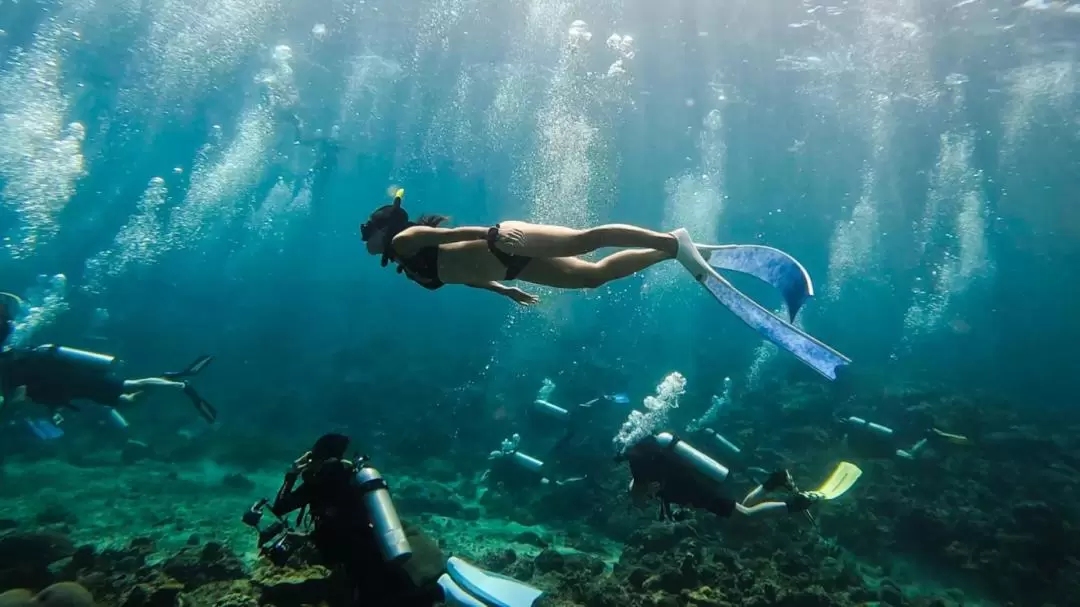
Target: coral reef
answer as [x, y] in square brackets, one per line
[934, 531]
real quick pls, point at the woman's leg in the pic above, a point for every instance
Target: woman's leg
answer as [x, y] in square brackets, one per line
[574, 273]
[773, 507]
[558, 241]
[152, 383]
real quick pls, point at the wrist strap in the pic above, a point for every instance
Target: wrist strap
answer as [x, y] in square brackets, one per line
[492, 234]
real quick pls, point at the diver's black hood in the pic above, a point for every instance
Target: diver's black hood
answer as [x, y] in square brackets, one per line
[330, 446]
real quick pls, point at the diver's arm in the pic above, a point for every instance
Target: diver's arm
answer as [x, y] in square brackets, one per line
[754, 494]
[418, 237]
[776, 480]
[762, 507]
[288, 499]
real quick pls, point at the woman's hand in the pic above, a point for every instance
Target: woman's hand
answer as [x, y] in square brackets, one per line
[523, 298]
[510, 240]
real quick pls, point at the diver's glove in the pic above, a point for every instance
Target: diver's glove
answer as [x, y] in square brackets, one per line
[801, 502]
[299, 465]
[781, 479]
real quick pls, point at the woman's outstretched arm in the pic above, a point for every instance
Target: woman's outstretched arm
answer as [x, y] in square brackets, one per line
[523, 298]
[418, 237]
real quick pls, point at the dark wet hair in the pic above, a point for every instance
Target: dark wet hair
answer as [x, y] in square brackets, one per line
[432, 220]
[330, 446]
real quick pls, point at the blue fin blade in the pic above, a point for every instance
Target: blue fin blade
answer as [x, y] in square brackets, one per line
[767, 264]
[620, 398]
[814, 353]
[455, 595]
[44, 429]
[491, 588]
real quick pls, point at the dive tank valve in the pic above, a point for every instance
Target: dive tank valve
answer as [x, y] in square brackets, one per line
[543, 406]
[118, 419]
[527, 462]
[700, 462]
[389, 532]
[723, 442]
[871, 426]
[99, 362]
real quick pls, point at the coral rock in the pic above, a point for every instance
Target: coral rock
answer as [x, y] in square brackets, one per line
[309, 585]
[65, 594]
[222, 594]
[33, 550]
[549, 560]
[705, 596]
[194, 567]
[17, 598]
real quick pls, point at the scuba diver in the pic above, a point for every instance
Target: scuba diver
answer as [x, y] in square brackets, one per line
[352, 523]
[510, 468]
[876, 441]
[582, 419]
[327, 148]
[668, 468]
[52, 376]
[548, 255]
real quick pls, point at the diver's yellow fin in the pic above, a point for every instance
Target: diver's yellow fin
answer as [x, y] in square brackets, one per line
[840, 480]
[956, 439]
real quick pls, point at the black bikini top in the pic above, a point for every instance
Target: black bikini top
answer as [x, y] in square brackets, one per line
[421, 267]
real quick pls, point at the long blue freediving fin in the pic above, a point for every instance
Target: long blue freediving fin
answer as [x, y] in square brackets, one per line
[44, 429]
[487, 589]
[814, 353]
[456, 595]
[767, 264]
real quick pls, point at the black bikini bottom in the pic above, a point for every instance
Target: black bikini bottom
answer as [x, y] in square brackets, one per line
[514, 263]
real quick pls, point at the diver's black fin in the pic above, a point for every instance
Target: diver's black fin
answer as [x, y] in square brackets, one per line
[204, 408]
[192, 370]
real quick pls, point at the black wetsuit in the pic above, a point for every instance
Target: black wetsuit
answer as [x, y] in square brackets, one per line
[344, 537]
[54, 380]
[676, 482]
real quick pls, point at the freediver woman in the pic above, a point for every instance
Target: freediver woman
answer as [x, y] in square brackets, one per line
[480, 257]
[548, 255]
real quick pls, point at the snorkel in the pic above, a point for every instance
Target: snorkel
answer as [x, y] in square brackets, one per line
[391, 218]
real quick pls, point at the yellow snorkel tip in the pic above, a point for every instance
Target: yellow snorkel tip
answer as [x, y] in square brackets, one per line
[399, 194]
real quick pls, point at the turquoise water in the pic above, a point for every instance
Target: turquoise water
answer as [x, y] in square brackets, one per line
[181, 177]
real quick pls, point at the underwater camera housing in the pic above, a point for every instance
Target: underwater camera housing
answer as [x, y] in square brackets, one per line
[278, 541]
